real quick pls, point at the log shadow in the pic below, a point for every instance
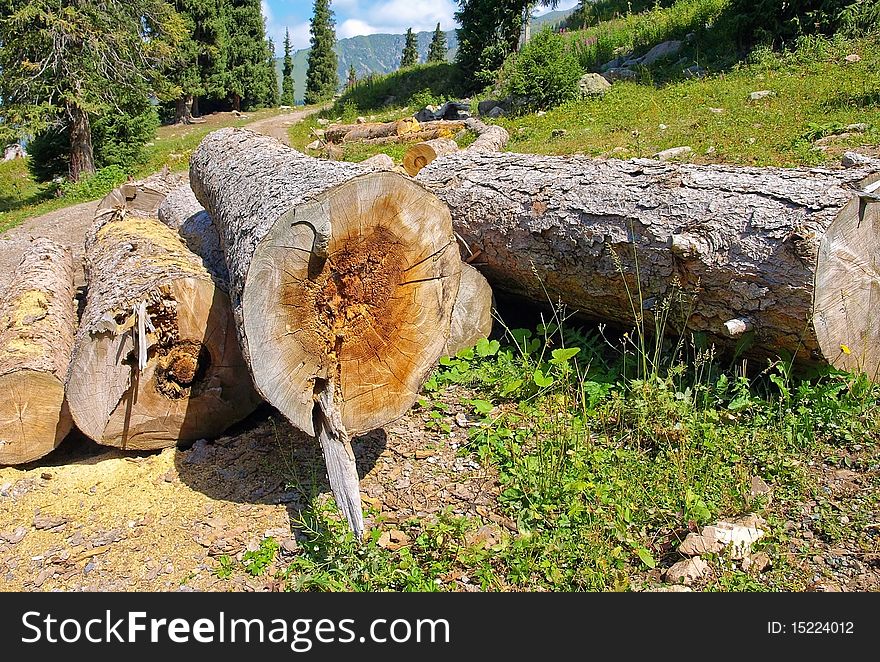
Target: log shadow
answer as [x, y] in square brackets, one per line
[265, 460]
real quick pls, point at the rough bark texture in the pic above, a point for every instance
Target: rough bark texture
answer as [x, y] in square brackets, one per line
[472, 314]
[418, 136]
[746, 240]
[181, 212]
[37, 325]
[82, 160]
[421, 154]
[155, 361]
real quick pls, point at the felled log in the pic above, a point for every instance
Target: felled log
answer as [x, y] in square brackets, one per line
[490, 137]
[181, 212]
[418, 136]
[356, 132]
[782, 261]
[379, 162]
[156, 360]
[472, 313]
[421, 154]
[342, 280]
[37, 325]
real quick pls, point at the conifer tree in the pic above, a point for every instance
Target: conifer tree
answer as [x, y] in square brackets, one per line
[352, 77]
[410, 55]
[251, 79]
[437, 50]
[322, 79]
[287, 93]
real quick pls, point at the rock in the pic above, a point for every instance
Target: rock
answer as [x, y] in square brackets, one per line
[619, 73]
[317, 133]
[496, 112]
[756, 563]
[760, 489]
[199, 452]
[735, 536]
[361, 120]
[4, 489]
[611, 64]
[852, 58]
[461, 420]
[660, 51]
[673, 153]
[485, 537]
[323, 122]
[662, 127]
[761, 94]
[393, 540]
[290, 545]
[859, 127]
[558, 133]
[316, 145]
[710, 149]
[695, 544]
[48, 523]
[593, 85]
[717, 111]
[12, 152]
[484, 107]
[687, 572]
[675, 588]
[14, 536]
[541, 113]
[689, 37]
[695, 71]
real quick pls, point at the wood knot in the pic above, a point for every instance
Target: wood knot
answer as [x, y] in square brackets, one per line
[181, 369]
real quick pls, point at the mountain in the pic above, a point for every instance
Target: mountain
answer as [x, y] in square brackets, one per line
[380, 53]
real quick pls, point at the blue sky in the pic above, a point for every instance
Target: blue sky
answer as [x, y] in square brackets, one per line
[354, 17]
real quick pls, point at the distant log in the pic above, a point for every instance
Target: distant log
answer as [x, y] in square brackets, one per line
[155, 360]
[342, 279]
[357, 132]
[418, 136]
[421, 154]
[490, 137]
[37, 325]
[781, 260]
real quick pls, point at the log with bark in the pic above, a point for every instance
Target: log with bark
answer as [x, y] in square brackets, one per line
[782, 261]
[421, 154]
[156, 360]
[490, 137]
[356, 132]
[418, 136]
[181, 212]
[472, 313]
[37, 325]
[343, 281]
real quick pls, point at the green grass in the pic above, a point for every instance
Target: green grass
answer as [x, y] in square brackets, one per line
[22, 198]
[816, 93]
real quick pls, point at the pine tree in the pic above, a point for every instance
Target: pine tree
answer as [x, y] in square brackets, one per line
[410, 55]
[352, 78]
[490, 31]
[67, 62]
[287, 74]
[322, 79]
[437, 50]
[251, 79]
[200, 64]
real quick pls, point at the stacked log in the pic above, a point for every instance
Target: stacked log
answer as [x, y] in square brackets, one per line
[490, 138]
[781, 261]
[37, 326]
[342, 280]
[156, 360]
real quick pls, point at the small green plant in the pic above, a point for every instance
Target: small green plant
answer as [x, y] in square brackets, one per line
[225, 567]
[255, 563]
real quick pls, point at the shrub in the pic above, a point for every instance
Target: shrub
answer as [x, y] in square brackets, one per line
[545, 72]
[95, 186]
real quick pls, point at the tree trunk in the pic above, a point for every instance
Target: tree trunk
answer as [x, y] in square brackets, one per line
[181, 212]
[155, 361]
[356, 132]
[37, 325]
[195, 108]
[421, 154]
[342, 279]
[490, 137]
[782, 261]
[472, 313]
[82, 160]
[236, 102]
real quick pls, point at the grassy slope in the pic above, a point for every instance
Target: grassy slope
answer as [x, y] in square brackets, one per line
[22, 198]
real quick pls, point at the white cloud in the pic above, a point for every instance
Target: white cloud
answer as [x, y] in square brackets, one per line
[353, 27]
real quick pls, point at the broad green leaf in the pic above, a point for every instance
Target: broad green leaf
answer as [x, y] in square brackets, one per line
[541, 379]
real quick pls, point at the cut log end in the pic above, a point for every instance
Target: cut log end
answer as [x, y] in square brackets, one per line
[33, 416]
[847, 297]
[373, 317]
[420, 155]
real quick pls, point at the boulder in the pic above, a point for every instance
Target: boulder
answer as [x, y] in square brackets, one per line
[673, 153]
[660, 51]
[485, 107]
[688, 571]
[496, 112]
[12, 152]
[593, 85]
[619, 73]
[761, 94]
